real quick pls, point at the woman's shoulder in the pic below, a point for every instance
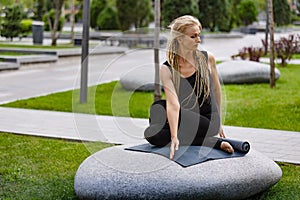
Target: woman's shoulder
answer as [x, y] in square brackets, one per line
[167, 65]
[210, 55]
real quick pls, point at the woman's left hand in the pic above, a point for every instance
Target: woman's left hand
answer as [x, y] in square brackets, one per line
[174, 146]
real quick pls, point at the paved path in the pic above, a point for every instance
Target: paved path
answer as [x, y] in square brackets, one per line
[278, 145]
[40, 79]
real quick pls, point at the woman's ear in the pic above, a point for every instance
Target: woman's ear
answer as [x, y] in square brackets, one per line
[179, 39]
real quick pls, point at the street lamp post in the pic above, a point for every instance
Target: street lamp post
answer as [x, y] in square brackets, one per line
[85, 51]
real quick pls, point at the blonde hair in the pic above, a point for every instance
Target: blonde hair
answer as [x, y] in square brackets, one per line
[178, 28]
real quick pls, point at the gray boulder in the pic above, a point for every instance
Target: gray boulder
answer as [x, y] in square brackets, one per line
[241, 71]
[140, 79]
[115, 173]
[234, 71]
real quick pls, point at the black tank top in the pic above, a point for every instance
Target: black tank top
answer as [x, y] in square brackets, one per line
[186, 89]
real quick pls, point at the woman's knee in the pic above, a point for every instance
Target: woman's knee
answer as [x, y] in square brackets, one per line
[157, 136]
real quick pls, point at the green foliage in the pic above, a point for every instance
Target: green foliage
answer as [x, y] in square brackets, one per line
[134, 13]
[97, 7]
[247, 12]
[51, 14]
[125, 13]
[172, 9]
[108, 18]
[11, 23]
[282, 12]
[144, 13]
[216, 14]
[39, 10]
[26, 26]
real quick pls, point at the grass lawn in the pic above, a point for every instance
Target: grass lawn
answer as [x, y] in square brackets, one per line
[246, 105]
[43, 168]
[40, 168]
[7, 53]
[30, 46]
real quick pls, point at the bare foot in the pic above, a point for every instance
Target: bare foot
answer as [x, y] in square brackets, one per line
[225, 146]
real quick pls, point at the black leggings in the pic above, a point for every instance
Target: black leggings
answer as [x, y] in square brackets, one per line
[193, 128]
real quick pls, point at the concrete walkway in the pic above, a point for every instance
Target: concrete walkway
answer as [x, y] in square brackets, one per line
[276, 144]
[45, 78]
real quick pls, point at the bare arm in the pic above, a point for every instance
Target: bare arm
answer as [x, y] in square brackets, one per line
[173, 107]
[216, 87]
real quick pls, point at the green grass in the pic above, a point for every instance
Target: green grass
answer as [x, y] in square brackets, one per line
[43, 168]
[8, 53]
[246, 105]
[296, 56]
[257, 105]
[287, 188]
[30, 46]
[40, 168]
[105, 99]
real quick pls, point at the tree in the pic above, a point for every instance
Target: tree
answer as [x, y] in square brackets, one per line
[272, 49]
[72, 19]
[49, 18]
[125, 13]
[53, 25]
[234, 16]
[39, 10]
[215, 14]
[134, 13]
[172, 9]
[247, 12]
[144, 13]
[11, 24]
[108, 18]
[97, 6]
[282, 12]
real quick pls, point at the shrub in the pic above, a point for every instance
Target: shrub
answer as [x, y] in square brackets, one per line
[26, 27]
[11, 23]
[253, 53]
[286, 47]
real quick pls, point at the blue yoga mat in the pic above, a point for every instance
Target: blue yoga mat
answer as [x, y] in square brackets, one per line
[190, 155]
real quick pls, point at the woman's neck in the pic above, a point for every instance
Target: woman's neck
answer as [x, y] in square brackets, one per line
[186, 56]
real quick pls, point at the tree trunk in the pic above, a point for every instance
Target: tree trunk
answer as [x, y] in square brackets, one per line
[58, 7]
[72, 20]
[271, 30]
[157, 89]
[266, 45]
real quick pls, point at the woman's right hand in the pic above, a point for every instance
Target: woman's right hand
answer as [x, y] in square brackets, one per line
[174, 146]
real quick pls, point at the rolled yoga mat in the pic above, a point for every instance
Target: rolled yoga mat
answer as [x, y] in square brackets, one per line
[242, 146]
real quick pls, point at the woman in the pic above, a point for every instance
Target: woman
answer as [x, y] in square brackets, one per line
[191, 112]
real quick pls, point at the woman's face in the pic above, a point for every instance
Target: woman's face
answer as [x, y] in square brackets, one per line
[191, 39]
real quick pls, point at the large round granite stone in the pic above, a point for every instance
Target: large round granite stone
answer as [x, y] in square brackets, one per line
[230, 72]
[242, 71]
[116, 173]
